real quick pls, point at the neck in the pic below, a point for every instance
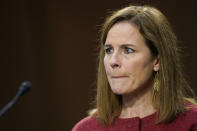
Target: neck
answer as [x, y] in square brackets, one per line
[137, 104]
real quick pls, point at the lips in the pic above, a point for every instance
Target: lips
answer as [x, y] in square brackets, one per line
[116, 77]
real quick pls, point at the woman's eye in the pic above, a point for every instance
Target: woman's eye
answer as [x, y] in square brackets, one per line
[108, 50]
[129, 50]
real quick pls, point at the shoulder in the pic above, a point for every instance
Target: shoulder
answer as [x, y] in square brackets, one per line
[189, 118]
[190, 114]
[192, 110]
[87, 124]
[186, 121]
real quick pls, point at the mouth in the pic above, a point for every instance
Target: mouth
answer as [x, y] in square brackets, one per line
[118, 77]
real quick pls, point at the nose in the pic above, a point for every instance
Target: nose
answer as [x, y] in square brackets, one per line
[115, 61]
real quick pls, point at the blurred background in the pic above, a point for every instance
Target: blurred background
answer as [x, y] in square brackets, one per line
[54, 45]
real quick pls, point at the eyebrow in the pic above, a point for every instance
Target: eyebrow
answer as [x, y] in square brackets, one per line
[122, 45]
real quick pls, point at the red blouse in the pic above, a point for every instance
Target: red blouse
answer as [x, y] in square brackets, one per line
[183, 122]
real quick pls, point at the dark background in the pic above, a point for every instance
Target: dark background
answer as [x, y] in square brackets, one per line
[53, 44]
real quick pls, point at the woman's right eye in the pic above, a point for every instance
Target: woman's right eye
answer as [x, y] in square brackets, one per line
[109, 50]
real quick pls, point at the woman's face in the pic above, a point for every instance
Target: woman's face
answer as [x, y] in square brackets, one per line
[128, 62]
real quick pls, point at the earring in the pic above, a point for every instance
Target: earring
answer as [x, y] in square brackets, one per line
[156, 82]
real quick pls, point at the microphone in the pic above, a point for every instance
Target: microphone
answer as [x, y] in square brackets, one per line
[23, 89]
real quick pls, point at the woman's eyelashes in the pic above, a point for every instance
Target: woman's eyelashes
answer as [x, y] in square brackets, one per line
[109, 50]
[126, 50]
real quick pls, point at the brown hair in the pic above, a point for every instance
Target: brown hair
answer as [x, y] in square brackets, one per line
[173, 91]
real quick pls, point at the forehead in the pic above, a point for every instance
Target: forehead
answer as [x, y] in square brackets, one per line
[124, 32]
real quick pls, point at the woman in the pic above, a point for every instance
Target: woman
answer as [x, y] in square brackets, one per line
[140, 85]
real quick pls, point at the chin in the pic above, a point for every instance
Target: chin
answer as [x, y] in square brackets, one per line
[118, 91]
[122, 91]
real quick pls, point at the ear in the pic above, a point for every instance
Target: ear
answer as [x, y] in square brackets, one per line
[156, 64]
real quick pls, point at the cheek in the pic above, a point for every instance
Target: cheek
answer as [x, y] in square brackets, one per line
[106, 64]
[132, 65]
[138, 66]
[107, 68]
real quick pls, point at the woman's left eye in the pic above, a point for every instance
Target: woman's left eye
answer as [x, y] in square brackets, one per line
[129, 50]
